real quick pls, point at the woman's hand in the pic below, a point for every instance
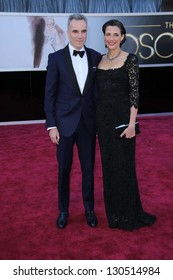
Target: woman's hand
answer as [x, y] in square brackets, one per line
[129, 132]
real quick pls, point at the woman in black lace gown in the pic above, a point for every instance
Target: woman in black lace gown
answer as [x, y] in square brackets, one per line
[118, 81]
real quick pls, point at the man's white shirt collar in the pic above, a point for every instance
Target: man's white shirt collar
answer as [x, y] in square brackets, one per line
[71, 48]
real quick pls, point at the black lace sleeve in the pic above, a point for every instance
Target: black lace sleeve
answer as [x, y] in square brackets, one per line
[133, 73]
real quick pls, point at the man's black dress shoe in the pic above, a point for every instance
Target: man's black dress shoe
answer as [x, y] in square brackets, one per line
[62, 220]
[91, 218]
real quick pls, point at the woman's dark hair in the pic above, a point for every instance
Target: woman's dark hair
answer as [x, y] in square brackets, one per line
[115, 22]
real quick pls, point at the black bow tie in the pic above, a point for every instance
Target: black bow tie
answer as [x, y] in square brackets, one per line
[81, 53]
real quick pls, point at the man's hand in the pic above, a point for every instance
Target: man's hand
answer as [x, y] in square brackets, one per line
[54, 135]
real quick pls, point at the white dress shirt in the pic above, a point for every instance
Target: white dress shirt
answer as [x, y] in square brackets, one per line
[80, 65]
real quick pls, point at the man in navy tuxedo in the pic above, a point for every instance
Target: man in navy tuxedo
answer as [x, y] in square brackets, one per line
[70, 114]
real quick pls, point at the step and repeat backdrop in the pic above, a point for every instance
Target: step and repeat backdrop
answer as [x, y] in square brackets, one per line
[27, 39]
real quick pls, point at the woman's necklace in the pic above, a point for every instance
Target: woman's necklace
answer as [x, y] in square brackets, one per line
[113, 58]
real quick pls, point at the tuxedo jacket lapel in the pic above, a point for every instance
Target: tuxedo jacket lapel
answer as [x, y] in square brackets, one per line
[71, 70]
[88, 79]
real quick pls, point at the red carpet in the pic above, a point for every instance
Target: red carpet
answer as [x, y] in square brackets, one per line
[28, 199]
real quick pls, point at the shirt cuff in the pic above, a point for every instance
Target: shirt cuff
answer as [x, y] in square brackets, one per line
[49, 128]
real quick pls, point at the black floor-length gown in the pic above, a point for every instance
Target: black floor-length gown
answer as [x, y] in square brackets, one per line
[118, 91]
